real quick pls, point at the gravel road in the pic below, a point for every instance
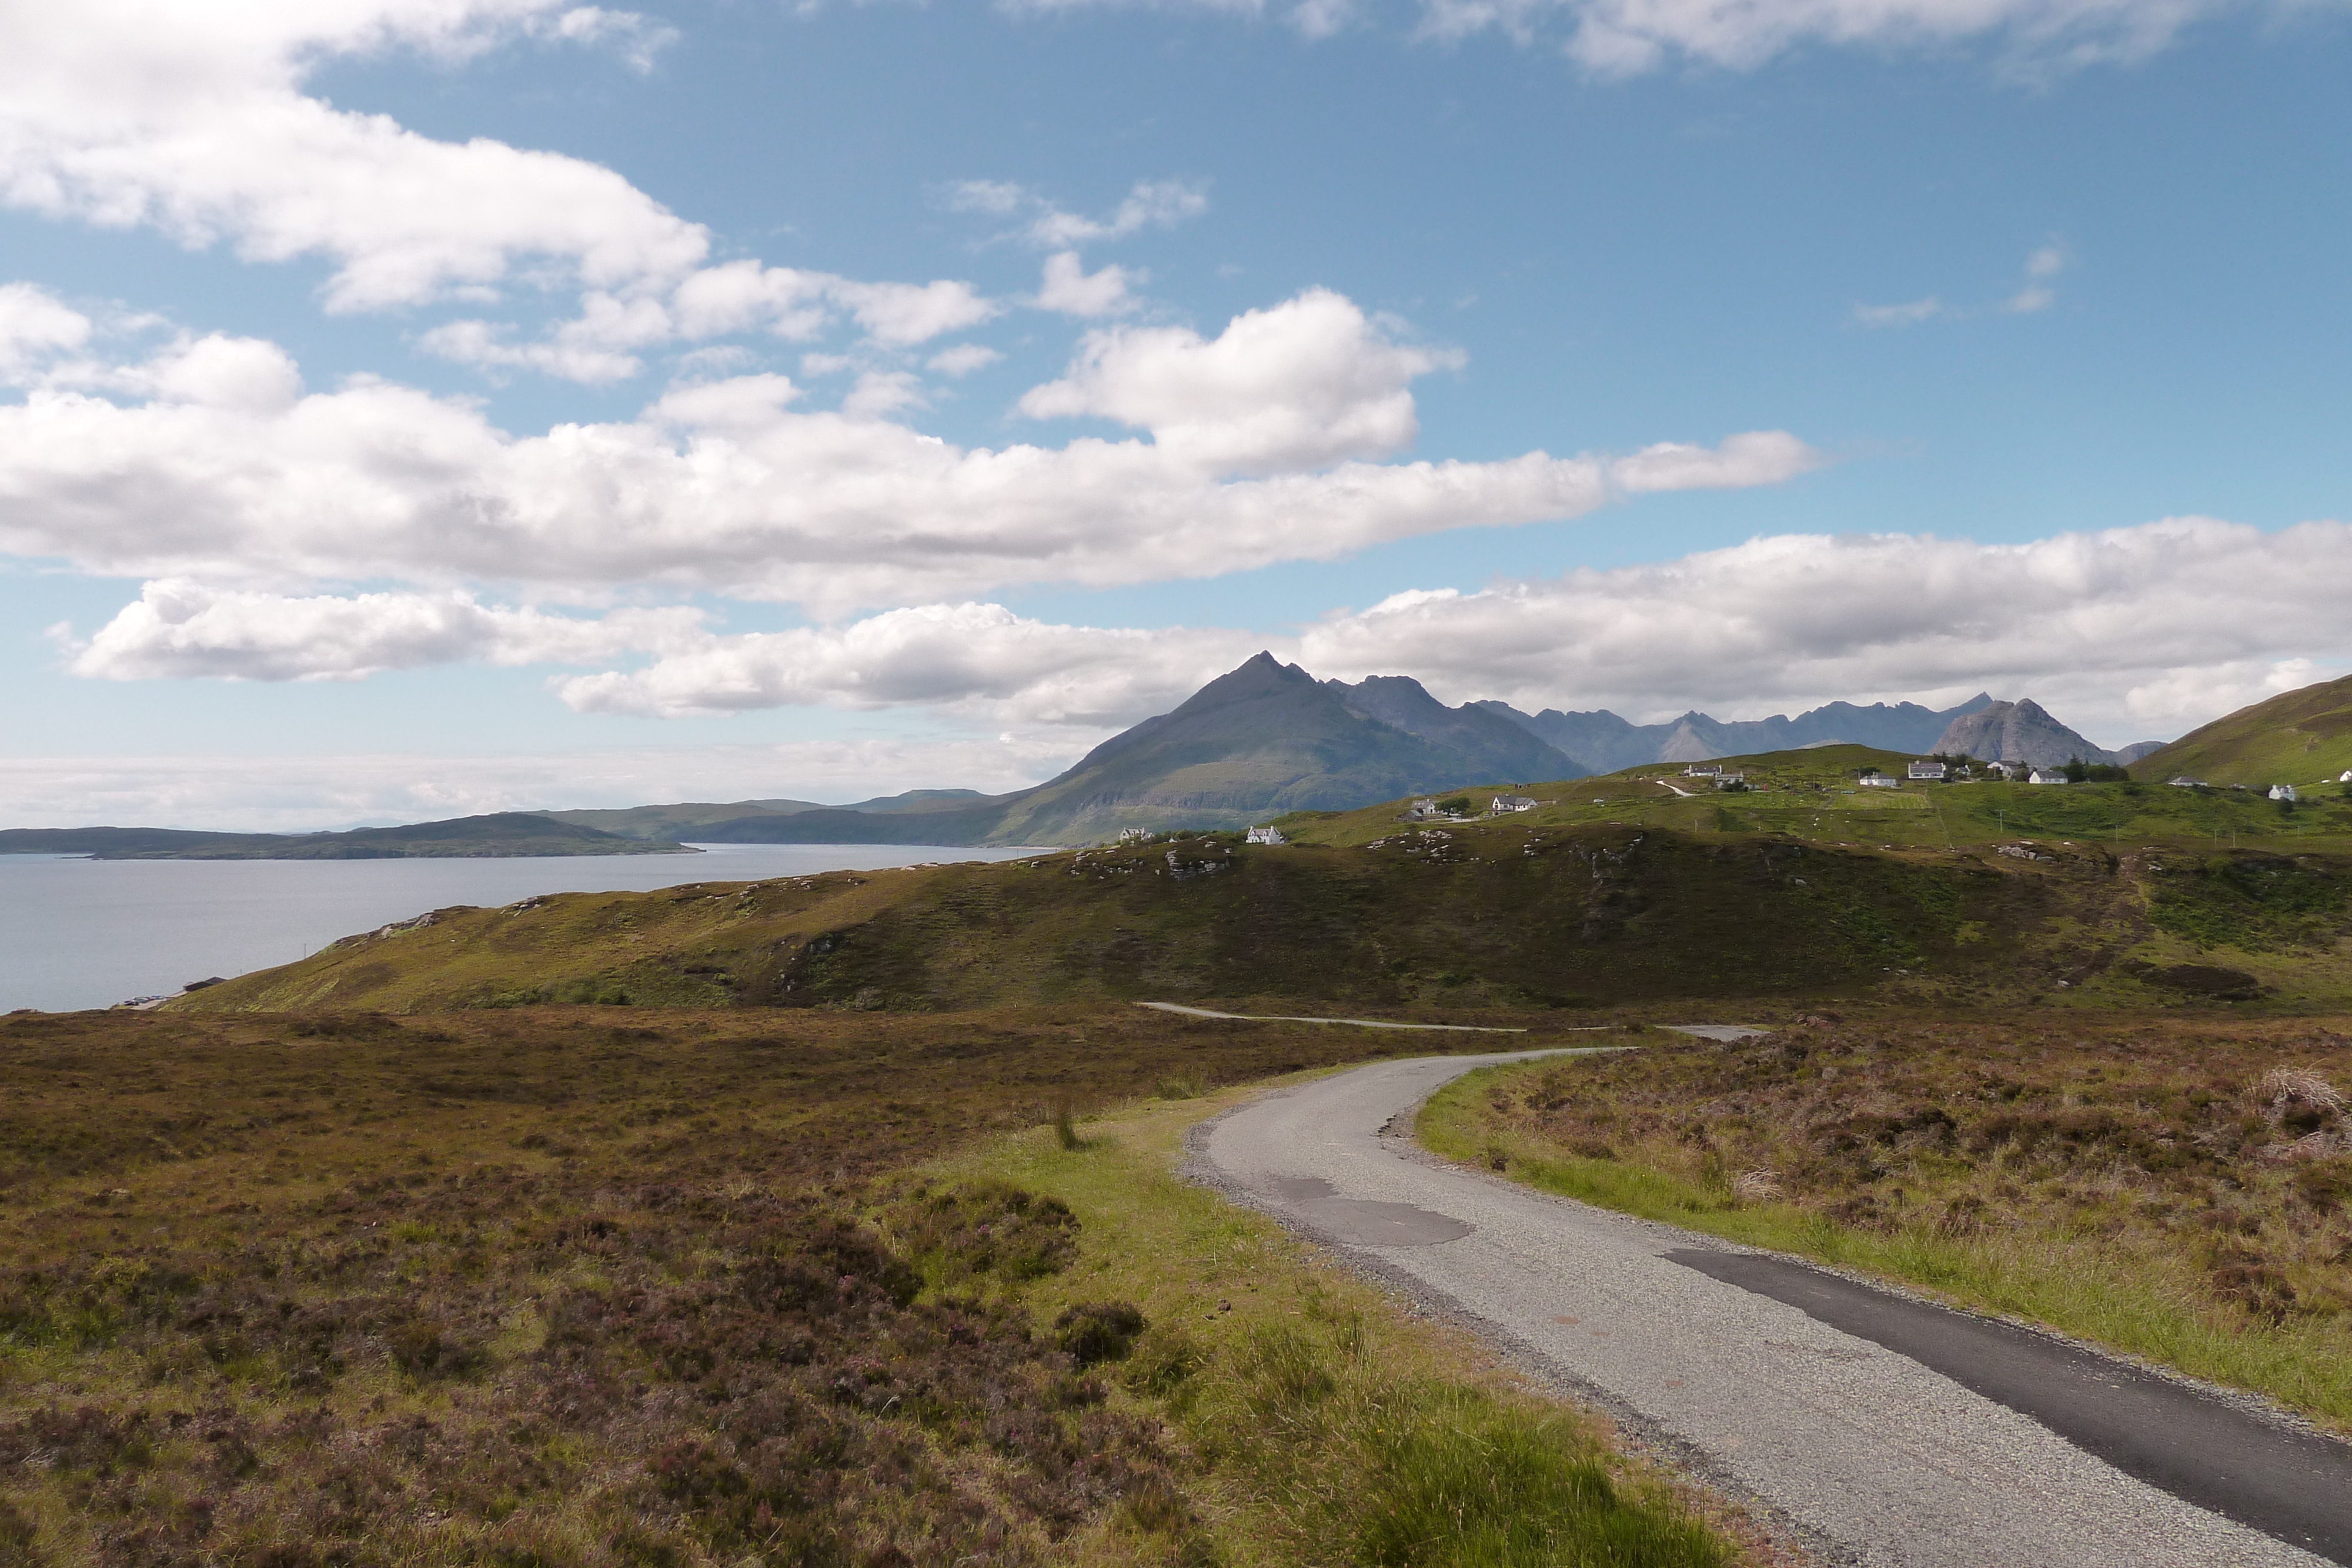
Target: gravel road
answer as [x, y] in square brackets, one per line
[1883, 1430]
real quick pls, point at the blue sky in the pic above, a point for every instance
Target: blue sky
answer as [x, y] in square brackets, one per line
[423, 404]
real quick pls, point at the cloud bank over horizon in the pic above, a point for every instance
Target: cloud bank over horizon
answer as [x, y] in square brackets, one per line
[744, 438]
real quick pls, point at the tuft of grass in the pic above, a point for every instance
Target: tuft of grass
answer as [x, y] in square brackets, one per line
[2173, 1190]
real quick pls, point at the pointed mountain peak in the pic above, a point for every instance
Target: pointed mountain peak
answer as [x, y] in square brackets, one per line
[1262, 676]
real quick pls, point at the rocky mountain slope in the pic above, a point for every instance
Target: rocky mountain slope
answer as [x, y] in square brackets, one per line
[1253, 744]
[2021, 731]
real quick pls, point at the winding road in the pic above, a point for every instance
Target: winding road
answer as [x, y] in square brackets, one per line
[1884, 1430]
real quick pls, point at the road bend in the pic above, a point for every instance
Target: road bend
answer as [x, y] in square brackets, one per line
[1883, 1429]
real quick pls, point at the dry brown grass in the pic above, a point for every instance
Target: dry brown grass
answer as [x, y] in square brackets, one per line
[579, 1286]
[2181, 1189]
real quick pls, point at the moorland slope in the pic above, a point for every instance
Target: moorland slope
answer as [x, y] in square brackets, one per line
[2299, 737]
[2121, 894]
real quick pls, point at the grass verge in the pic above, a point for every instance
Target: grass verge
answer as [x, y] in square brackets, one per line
[2175, 1192]
[1320, 1426]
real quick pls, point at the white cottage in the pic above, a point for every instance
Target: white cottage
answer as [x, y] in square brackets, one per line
[1267, 836]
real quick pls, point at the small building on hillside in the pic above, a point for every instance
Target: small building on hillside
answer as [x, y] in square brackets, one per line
[1423, 810]
[1731, 780]
[2012, 771]
[1133, 835]
[1267, 836]
[1929, 769]
[2345, 777]
[1703, 770]
[2048, 776]
[1880, 781]
[1505, 804]
[2284, 792]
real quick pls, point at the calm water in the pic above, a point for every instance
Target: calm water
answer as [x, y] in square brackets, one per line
[88, 934]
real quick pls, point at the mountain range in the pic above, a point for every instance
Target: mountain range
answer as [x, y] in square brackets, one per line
[1268, 738]
[1257, 742]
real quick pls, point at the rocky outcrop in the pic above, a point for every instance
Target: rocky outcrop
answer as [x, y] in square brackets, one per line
[2022, 731]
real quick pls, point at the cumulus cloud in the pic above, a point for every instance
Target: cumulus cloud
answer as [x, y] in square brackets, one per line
[191, 120]
[1625, 37]
[179, 629]
[194, 122]
[1304, 383]
[962, 359]
[34, 327]
[2127, 632]
[1071, 289]
[2149, 628]
[221, 468]
[959, 657]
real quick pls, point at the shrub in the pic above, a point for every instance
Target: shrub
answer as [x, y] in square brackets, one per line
[1096, 1331]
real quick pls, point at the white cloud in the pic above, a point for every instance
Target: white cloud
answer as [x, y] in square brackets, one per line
[881, 393]
[638, 40]
[1304, 383]
[1909, 315]
[1150, 204]
[962, 359]
[2124, 631]
[1071, 289]
[192, 120]
[178, 629]
[2038, 294]
[34, 327]
[1625, 37]
[228, 473]
[962, 658]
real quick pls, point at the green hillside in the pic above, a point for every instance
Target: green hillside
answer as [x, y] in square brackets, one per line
[1813, 796]
[1513, 916]
[2298, 737]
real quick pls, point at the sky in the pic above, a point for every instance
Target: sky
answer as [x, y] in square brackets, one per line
[416, 407]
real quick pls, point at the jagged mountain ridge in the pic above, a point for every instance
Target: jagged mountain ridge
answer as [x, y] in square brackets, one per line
[1609, 743]
[1258, 741]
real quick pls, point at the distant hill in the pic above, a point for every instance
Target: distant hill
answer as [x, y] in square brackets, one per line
[2300, 737]
[1609, 743]
[1259, 741]
[504, 834]
[2021, 731]
[682, 821]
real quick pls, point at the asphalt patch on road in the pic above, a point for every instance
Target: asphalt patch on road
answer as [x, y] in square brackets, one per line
[2294, 1485]
[1361, 1221]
